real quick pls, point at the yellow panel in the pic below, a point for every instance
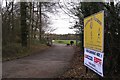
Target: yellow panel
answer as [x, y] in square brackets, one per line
[94, 31]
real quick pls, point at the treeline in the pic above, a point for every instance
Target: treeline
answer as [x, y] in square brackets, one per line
[65, 36]
[24, 24]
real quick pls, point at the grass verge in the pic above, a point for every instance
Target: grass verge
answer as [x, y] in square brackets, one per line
[64, 41]
[15, 51]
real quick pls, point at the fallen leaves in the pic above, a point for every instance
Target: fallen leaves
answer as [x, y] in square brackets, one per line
[78, 70]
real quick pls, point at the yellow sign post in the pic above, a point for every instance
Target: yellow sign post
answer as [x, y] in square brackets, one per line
[94, 31]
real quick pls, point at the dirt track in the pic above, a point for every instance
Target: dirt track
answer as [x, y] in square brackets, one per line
[48, 64]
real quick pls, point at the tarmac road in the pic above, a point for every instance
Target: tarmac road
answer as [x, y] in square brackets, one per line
[47, 64]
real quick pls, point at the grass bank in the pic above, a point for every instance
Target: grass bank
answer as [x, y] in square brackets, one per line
[16, 51]
[64, 41]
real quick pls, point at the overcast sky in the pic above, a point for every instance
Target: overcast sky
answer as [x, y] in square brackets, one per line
[61, 22]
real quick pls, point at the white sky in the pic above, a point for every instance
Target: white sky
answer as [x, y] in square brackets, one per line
[61, 21]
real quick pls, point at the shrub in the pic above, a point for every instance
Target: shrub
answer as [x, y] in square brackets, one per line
[11, 49]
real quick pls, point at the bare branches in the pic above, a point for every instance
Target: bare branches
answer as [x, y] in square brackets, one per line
[66, 12]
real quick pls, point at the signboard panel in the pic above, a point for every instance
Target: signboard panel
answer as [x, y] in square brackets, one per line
[94, 31]
[94, 60]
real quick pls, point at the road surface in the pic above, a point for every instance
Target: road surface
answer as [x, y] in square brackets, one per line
[47, 64]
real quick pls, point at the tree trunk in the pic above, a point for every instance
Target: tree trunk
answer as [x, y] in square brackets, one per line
[13, 33]
[40, 27]
[24, 29]
[32, 22]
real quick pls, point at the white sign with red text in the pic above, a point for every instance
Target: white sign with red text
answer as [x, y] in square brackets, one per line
[94, 60]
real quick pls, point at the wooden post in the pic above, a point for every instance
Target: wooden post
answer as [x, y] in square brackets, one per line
[86, 70]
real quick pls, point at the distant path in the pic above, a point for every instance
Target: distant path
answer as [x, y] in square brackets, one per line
[48, 64]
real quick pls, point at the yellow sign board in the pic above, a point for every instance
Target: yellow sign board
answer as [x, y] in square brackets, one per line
[94, 31]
